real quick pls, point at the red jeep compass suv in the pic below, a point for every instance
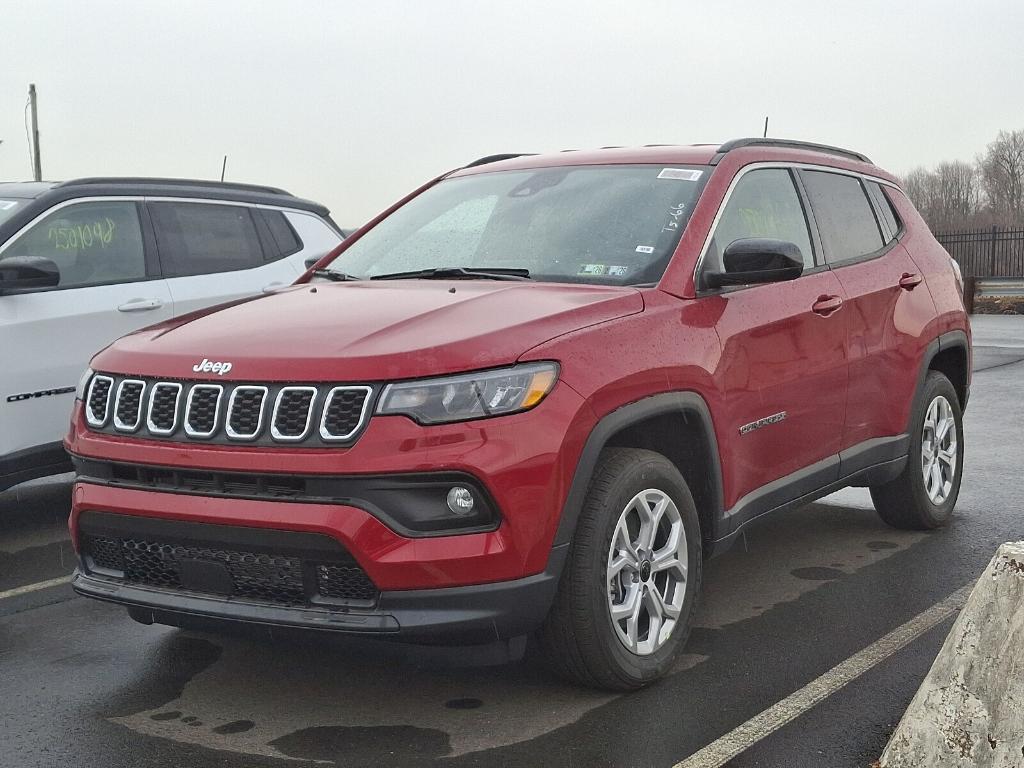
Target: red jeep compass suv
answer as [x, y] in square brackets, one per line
[532, 396]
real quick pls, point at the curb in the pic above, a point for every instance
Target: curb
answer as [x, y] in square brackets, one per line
[969, 711]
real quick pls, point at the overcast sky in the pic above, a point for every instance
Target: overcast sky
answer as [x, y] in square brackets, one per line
[354, 104]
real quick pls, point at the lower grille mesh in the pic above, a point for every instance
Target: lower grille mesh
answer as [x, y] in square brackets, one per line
[347, 582]
[263, 577]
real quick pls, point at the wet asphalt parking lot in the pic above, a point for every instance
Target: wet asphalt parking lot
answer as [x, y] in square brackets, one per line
[81, 684]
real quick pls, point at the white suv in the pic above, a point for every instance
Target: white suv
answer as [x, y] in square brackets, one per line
[84, 262]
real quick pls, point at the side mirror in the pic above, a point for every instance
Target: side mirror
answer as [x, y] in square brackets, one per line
[19, 273]
[753, 260]
[313, 260]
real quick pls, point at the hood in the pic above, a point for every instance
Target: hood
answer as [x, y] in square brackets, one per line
[367, 330]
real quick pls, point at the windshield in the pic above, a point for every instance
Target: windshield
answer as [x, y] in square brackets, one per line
[605, 224]
[7, 208]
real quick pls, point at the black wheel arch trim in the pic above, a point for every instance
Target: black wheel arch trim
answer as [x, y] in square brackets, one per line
[956, 339]
[690, 404]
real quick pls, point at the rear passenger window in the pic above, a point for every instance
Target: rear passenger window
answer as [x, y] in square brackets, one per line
[844, 215]
[200, 238]
[282, 235]
[764, 203]
[885, 209]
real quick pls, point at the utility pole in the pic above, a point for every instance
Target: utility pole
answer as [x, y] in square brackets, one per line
[766, 126]
[37, 165]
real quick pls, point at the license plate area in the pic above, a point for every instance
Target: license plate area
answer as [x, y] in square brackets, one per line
[205, 576]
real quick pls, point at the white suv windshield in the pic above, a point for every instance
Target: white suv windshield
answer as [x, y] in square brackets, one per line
[608, 224]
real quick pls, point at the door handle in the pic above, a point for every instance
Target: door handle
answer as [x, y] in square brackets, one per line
[908, 282]
[140, 305]
[271, 287]
[826, 305]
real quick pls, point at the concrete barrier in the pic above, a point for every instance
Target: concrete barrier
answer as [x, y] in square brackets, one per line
[970, 708]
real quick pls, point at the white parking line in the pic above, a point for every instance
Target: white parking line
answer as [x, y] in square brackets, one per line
[721, 751]
[35, 587]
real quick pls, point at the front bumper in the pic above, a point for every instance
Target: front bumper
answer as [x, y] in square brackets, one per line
[472, 614]
[525, 463]
[472, 587]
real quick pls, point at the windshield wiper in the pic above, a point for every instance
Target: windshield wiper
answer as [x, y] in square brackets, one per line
[330, 274]
[458, 273]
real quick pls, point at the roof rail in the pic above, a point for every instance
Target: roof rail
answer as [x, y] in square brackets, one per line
[787, 144]
[496, 158]
[94, 180]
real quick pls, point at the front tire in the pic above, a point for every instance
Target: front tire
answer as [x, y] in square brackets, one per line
[624, 604]
[922, 497]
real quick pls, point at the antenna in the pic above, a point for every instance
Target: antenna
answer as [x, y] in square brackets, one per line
[765, 134]
[223, 167]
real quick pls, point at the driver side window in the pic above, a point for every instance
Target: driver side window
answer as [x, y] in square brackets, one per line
[764, 203]
[91, 243]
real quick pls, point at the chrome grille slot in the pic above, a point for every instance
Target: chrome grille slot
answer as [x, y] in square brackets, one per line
[97, 408]
[293, 412]
[256, 414]
[344, 411]
[128, 405]
[162, 417]
[202, 410]
[245, 412]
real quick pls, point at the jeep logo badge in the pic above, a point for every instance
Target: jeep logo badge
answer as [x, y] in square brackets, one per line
[207, 367]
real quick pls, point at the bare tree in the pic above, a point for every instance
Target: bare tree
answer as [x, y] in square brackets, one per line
[1002, 173]
[950, 197]
[920, 186]
[957, 194]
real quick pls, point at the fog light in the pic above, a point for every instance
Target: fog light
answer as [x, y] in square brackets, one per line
[460, 500]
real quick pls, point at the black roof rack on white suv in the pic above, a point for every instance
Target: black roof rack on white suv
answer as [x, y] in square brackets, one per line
[144, 180]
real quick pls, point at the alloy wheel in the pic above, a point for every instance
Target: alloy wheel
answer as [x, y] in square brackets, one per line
[646, 573]
[939, 450]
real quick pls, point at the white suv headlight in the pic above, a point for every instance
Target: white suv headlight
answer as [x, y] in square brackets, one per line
[470, 395]
[82, 384]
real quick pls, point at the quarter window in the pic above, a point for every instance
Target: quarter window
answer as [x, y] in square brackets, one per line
[847, 224]
[91, 243]
[885, 209]
[201, 238]
[283, 237]
[764, 203]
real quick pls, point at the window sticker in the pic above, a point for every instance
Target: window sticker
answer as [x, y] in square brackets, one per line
[681, 174]
[593, 269]
[645, 249]
[6, 205]
[617, 271]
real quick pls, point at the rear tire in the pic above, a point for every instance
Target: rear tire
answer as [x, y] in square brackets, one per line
[922, 497]
[636, 552]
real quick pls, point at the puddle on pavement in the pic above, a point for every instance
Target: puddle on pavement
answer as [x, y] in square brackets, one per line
[337, 702]
[788, 555]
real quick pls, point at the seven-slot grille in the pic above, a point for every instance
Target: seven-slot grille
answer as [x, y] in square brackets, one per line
[227, 413]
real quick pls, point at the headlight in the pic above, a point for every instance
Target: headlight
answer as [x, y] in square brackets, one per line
[82, 384]
[470, 395]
